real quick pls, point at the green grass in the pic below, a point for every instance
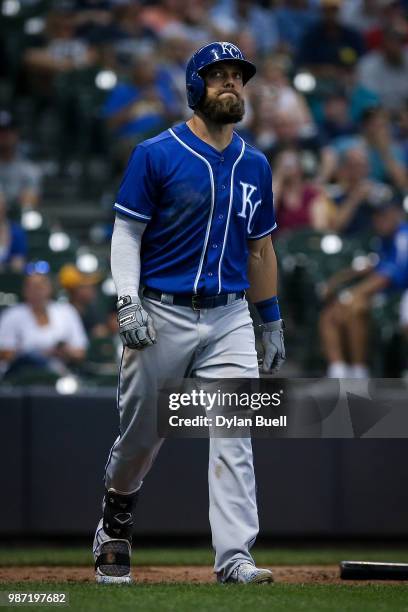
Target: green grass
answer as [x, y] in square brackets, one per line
[198, 556]
[227, 598]
[163, 597]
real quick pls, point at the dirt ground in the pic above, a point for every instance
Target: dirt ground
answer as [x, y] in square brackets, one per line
[314, 574]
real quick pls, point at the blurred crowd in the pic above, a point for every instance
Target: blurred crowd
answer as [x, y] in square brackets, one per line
[329, 108]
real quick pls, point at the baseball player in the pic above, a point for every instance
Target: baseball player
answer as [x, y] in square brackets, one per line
[194, 215]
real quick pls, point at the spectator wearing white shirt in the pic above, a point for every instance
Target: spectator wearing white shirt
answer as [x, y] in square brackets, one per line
[40, 332]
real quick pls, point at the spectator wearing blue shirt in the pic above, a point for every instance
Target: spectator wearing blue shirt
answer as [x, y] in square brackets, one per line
[344, 321]
[136, 110]
[13, 243]
[385, 154]
[293, 19]
[393, 247]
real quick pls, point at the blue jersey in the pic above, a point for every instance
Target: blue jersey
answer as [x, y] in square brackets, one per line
[393, 255]
[200, 206]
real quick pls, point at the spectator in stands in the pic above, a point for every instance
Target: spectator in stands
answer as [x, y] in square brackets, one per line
[92, 17]
[40, 333]
[355, 194]
[344, 321]
[193, 18]
[273, 93]
[58, 51]
[385, 154]
[293, 19]
[234, 17]
[298, 203]
[158, 16]
[370, 17]
[386, 157]
[385, 71]
[282, 130]
[328, 45]
[365, 15]
[141, 108]
[13, 243]
[123, 38]
[175, 49]
[338, 106]
[196, 23]
[20, 179]
[337, 120]
[81, 289]
[359, 98]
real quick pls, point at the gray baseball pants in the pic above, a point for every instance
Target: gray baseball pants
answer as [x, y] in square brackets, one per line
[211, 344]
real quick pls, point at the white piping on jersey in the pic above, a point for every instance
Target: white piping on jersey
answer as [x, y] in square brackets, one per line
[263, 233]
[207, 233]
[130, 212]
[229, 212]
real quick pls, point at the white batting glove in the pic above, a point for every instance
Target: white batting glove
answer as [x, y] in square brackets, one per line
[274, 346]
[135, 324]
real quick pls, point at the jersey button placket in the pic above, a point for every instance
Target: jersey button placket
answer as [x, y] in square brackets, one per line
[219, 220]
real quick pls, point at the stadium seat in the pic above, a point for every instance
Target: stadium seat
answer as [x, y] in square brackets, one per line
[10, 288]
[100, 365]
[29, 376]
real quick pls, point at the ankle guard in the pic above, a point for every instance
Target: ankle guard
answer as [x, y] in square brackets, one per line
[118, 514]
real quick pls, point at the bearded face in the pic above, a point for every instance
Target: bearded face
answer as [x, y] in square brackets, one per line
[223, 102]
[223, 109]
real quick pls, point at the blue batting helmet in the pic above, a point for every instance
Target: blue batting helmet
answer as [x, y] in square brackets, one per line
[206, 56]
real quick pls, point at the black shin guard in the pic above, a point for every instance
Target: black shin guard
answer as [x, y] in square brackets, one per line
[118, 514]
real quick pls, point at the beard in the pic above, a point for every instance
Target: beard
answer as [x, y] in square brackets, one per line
[223, 111]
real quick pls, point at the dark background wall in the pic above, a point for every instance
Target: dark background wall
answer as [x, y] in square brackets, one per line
[53, 451]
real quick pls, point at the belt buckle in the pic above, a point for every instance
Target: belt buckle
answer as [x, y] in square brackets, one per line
[195, 302]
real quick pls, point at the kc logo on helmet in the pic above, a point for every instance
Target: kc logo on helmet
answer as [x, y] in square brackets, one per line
[226, 48]
[247, 191]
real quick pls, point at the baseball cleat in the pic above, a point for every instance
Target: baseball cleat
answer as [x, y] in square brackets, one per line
[112, 565]
[246, 573]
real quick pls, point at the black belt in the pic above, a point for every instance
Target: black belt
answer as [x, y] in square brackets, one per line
[196, 302]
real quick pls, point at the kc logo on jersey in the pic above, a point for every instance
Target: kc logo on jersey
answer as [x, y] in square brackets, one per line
[227, 48]
[247, 192]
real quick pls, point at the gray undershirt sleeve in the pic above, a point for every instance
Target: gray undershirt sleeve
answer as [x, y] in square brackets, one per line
[125, 255]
